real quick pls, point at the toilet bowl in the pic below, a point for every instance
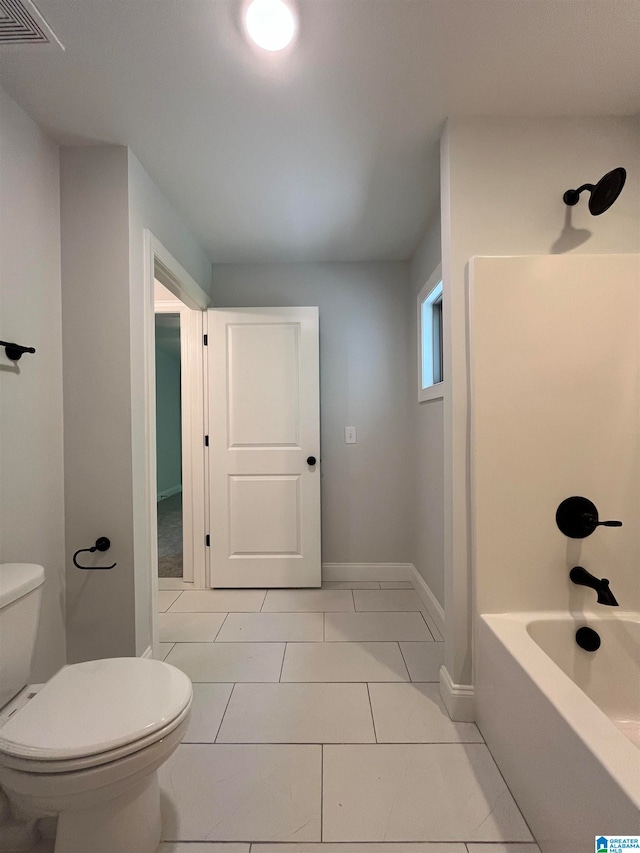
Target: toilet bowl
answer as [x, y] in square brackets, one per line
[86, 748]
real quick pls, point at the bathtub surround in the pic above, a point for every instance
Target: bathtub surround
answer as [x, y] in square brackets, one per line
[555, 412]
[501, 189]
[31, 425]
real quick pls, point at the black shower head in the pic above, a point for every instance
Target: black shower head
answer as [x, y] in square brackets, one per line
[603, 194]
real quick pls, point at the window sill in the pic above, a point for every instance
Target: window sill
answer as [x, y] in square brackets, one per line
[433, 392]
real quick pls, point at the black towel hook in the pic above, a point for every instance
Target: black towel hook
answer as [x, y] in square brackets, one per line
[102, 544]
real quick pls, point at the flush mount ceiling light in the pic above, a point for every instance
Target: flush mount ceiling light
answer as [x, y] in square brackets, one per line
[271, 24]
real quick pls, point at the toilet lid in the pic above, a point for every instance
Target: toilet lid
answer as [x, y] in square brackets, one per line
[97, 706]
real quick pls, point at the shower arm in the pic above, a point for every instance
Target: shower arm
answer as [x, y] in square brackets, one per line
[572, 197]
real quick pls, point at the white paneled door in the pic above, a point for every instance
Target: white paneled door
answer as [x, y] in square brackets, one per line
[264, 447]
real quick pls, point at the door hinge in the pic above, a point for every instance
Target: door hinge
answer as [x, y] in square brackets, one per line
[206, 441]
[206, 340]
[207, 540]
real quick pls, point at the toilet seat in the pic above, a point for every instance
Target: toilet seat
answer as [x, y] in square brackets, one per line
[88, 762]
[95, 712]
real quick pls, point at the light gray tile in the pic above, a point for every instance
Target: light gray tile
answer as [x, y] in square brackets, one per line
[164, 649]
[360, 848]
[414, 713]
[189, 627]
[503, 848]
[298, 713]
[307, 600]
[166, 598]
[396, 585]
[272, 628]
[237, 792]
[353, 627]
[343, 662]
[423, 660]
[179, 847]
[387, 599]
[219, 601]
[417, 792]
[207, 710]
[350, 585]
[228, 661]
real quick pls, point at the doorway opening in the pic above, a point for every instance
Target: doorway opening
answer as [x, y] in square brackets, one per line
[179, 427]
[169, 478]
[175, 316]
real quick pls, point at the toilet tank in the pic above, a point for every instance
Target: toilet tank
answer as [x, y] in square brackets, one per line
[20, 596]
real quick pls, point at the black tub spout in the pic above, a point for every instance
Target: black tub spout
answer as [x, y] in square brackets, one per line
[583, 578]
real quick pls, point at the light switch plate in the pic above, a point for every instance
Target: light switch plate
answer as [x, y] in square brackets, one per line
[350, 435]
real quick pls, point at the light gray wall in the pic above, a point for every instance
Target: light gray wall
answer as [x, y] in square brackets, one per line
[428, 438]
[31, 450]
[168, 421]
[364, 382]
[107, 202]
[97, 398]
[502, 186]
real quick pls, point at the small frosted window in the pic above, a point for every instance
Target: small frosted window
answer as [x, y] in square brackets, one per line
[430, 357]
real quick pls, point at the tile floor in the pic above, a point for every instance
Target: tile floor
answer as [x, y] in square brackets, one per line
[317, 727]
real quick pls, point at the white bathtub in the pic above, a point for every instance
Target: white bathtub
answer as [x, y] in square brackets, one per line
[561, 722]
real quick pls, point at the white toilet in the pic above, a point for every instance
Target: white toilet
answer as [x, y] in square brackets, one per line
[87, 745]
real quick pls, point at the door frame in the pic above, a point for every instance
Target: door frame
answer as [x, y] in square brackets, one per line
[159, 263]
[191, 417]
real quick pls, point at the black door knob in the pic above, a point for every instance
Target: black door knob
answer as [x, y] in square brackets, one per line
[311, 460]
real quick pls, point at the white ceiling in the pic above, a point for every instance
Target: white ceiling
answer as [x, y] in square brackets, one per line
[328, 152]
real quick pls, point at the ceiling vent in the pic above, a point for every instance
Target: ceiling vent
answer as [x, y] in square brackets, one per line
[22, 23]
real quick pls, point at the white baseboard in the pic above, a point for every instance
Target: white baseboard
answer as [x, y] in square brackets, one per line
[168, 493]
[428, 599]
[366, 571]
[458, 698]
[147, 653]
